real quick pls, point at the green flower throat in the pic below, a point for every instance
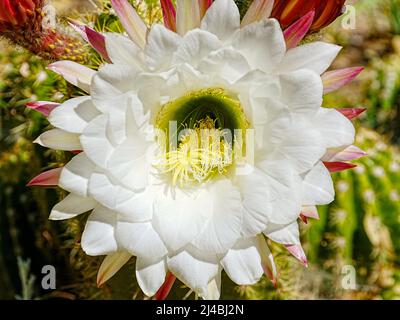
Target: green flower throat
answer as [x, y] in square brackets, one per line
[205, 130]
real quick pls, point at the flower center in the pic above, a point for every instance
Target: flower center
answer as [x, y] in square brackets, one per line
[203, 133]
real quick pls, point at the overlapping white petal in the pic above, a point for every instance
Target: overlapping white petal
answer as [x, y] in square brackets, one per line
[110, 82]
[74, 115]
[59, 140]
[137, 207]
[95, 141]
[222, 25]
[75, 175]
[122, 51]
[179, 218]
[243, 262]
[150, 275]
[262, 43]
[98, 238]
[301, 91]
[75, 73]
[161, 45]
[140, 239]
[336, 130]
[222, 229]
[194, 269]
[315, 56]
[284, 234]
[318, 186]
[71, 206]
[196, 45]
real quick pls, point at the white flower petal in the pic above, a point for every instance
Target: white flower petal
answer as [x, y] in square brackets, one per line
[344, 153]
[267, 260]
[284, 234]
[74, 114]
[95, 141]
[59, 140]
[130, 163]
[258, 10]
[301, 90]
[214, 288]
[222, 19]
[122, 51]
[98, 237]
[262, 43]
[161, 44]
[139, 239]
[75, 175]
[180, 217]
[150, 275]
[131, 206]
[194, 270]
[258, 207]
[71, 206]
[275, 198]
[196, 45]
[225, 63]
[242, 263]
[318, 186]
[315, 56]
[110, 82]
[222, 229]
[303, 146]
[271, 121]
[75, 73]
[335, 129]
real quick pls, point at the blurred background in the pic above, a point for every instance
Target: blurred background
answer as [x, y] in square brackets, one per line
[359, 233]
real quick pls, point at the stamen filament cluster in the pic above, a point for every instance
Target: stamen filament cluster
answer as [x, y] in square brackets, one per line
[201, 154]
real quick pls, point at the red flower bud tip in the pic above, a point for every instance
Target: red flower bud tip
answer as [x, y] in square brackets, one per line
[297, 251]
[334, 167]
[351, 113]
[164, 290]
[46, 179]
[289, 11]
[17, 12]
[21, 22]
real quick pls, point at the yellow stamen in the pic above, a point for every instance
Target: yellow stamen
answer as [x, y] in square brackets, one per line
[199, 155]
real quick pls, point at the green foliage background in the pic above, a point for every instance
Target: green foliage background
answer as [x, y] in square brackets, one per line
[361, 228]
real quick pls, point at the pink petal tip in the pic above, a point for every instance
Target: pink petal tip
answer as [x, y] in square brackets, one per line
[303, 218]
[339, 166]
[298, 252]
[98, 42]
[336, 79]
[46, 179]
[44, 107]
[310, 212]
[343, 154]
[297, 31]
[351, 113]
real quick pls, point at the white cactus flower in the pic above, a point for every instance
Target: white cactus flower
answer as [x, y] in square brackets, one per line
[154, 188]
